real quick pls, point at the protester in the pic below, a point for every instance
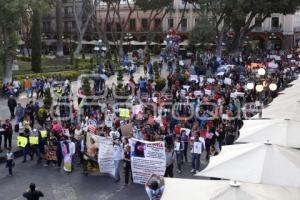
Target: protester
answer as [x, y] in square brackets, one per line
[197, 148]
[32, 193]
[117, 155]
[154, 187]
[12, 103]
[170, 159]
[8, 132]
[10, 161]
[127, 164]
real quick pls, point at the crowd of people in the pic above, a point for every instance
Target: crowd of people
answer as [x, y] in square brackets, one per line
[201, 109]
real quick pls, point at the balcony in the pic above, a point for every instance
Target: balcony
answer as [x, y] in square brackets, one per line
[269, 29]
[297, 29]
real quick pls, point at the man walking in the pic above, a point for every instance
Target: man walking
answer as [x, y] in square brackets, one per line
[7, 133]
[33, 194]
[19, 113]
[12, 103]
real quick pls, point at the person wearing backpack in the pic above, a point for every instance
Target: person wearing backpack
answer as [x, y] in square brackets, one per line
[155, 187]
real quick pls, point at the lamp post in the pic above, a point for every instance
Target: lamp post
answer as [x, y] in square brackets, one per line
[97, 49]
[260, 87]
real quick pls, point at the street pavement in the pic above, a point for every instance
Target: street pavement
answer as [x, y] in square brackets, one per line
[58, 185]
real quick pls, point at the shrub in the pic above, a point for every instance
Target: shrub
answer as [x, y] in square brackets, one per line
[47, 99]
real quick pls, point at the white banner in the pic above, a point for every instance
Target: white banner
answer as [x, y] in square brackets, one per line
[105, 155]
[147, 158]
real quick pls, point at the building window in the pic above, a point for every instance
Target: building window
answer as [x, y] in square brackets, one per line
[47, 26]
[275, 22]
[68, 10]
[157, 24]
[171, 23]
[258, 22]
[68, 26]
[184, 24]
[145, 23]
[132, 25]
[118, 26]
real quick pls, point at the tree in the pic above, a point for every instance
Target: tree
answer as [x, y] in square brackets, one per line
[86, 87]
[82, 19]
[36, 42]
[59, 28]
[10, 14]
[47, 99]
[156, 8]
[204, 32]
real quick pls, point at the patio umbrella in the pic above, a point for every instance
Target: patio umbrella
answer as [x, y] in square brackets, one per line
[180, 189]
[256, 163]
[288, 109]
[277, 131]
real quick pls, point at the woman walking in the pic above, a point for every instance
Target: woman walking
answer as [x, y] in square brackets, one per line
[10, 161]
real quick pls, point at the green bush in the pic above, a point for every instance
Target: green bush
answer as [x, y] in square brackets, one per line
[70, 75]
[24, 59]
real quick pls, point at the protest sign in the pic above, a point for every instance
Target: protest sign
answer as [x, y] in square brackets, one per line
[126, 130]
[197, 147]
[137, 108]
[208, 92]
[198, 93]
[210, 80]
[227, 81]
[187, 131]
[177, 146]
[105, 155]
[194, 78]
[124, 112]
[186, 87]
[109, 120]
[147, 158]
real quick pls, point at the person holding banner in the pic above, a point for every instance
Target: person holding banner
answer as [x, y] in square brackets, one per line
[127, 164]
[117, 154]
[179, 147]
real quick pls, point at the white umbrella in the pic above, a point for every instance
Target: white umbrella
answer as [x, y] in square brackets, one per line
[256, 163]
[277, 131]
[288, 109]
[180, 189]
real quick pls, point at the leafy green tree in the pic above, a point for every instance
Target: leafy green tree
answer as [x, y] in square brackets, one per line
[10, 14]
[47, 99]
[36, 42]
[86, 87]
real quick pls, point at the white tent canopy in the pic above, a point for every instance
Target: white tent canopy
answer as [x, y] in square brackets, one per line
[181, 189]
[288, 109]
[256, 163]
[277, 131]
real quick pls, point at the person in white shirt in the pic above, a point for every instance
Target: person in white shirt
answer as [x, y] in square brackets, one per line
[114, 134]
[118, 156]
[197, 148]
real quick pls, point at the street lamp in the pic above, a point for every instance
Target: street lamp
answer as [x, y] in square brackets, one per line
[97, 49]
[250, 86]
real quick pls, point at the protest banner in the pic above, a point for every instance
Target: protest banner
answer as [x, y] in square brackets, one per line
[22, 141]
[210, 80]
[198, 93]
[207, 92]
[105, 155]
[147, 158]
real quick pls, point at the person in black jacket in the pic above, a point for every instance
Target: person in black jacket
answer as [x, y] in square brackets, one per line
[12, 103]
[33, 194]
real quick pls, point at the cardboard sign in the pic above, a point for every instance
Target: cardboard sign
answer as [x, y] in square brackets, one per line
[126, 130]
